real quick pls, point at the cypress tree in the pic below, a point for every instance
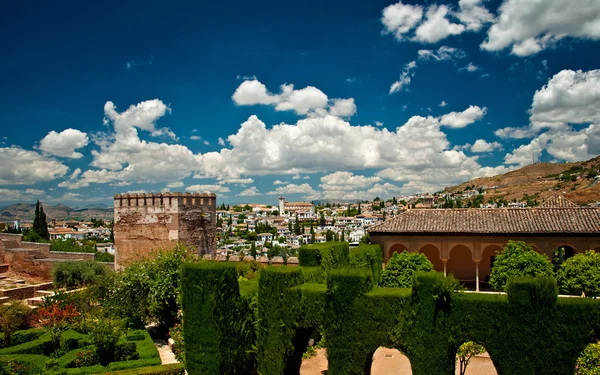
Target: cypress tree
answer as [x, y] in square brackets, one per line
[253, 250]
[36, 218]
[343, 235]
[43, 225]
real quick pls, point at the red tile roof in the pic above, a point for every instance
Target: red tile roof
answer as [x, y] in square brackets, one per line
[557, 216]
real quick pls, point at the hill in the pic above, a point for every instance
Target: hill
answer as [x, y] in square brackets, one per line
[577, 181]
[26, 211]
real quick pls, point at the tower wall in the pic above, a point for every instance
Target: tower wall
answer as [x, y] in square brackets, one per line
[148, 222]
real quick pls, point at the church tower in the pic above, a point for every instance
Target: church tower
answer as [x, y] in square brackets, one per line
[281, 206]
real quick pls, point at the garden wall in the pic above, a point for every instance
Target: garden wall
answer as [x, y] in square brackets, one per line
[528, 332]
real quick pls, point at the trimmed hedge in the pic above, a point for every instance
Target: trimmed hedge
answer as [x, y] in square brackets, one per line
[368, 256]
[527, 332]
[327, 255]
[174, 369]
[217, 321]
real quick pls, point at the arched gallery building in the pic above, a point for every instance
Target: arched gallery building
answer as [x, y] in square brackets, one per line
[464, 241]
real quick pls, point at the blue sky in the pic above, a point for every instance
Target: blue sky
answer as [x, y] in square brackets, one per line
[312, 100]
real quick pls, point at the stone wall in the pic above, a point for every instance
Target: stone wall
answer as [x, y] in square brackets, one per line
[148, 222]
[24, 292]
[71, 255]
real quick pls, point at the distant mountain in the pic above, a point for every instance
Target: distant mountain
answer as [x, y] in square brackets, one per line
[26, 211]
[577, 181]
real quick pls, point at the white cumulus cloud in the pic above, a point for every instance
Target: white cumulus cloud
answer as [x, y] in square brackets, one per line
[250, 192]
[529, 26]
[24, 167]
[305, 101]
[481, 145]
[436, 26]
[64, 143]
[464, 118]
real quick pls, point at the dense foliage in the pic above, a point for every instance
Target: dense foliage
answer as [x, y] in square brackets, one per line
[401, 267]
[580, 274]
[528, 332]
[589, 362]
[328, 255]
[465, 353]
[40, 225]
[70, 245]
[149, 289]
[13, 316]
[518, 259]
[78, 274]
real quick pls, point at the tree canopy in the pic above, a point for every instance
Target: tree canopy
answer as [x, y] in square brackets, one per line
[518, 259]
[400, 269]
[580, 274]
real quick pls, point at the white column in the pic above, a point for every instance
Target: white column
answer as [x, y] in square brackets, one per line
[477, 276]
[444, 261]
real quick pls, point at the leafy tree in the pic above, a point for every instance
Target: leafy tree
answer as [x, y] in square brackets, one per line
[366, 239]
[322, 220]
[13, 316]
[518, 259]
[297, 229]
[589, 361]
[399, 271]
[55, 319]
[394, 201]
[78, 274]
[329, 235]
[104, 334]
[148, 290]
[467, 351]
[580, 274]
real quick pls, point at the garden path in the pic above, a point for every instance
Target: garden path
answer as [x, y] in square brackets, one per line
[388, 361]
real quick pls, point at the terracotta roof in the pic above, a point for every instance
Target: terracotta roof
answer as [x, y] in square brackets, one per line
[558, 201]
[291, 204]
[500, 220]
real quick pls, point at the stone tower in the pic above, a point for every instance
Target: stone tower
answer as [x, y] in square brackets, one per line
[281, 205]
[147, 222]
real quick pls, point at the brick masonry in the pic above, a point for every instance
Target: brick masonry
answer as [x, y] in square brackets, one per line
[148, 222]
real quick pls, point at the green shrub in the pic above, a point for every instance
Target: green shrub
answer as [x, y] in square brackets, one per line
[367, 256]
[217, 321]
[537, 292]
[518, 259]
[148, 290]
[401, 267]
[104, 335]
[126, 351]
[42, 345]
[589, 361]
[13, 316]
[580, 274]
[104, 257]
[24, 336]
[174, 369]
[71, 245]
[77, 274]
[176, 333]
[328, 255]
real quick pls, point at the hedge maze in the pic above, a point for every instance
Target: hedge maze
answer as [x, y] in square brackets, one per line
[529, 331]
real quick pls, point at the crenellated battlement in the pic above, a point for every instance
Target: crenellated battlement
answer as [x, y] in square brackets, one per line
[146, 221]
[164, 201]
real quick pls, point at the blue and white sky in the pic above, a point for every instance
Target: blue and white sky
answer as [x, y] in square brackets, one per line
[310, 99]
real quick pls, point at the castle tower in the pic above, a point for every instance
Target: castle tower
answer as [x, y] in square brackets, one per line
[281, 205]
[149, 222]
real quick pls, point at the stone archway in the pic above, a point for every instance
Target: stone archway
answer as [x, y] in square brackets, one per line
[461, 263]
[433, 254]
[487, 261]
[569, 251]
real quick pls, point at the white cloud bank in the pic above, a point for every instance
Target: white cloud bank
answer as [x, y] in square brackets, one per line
[307, 101]
[529, 26]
